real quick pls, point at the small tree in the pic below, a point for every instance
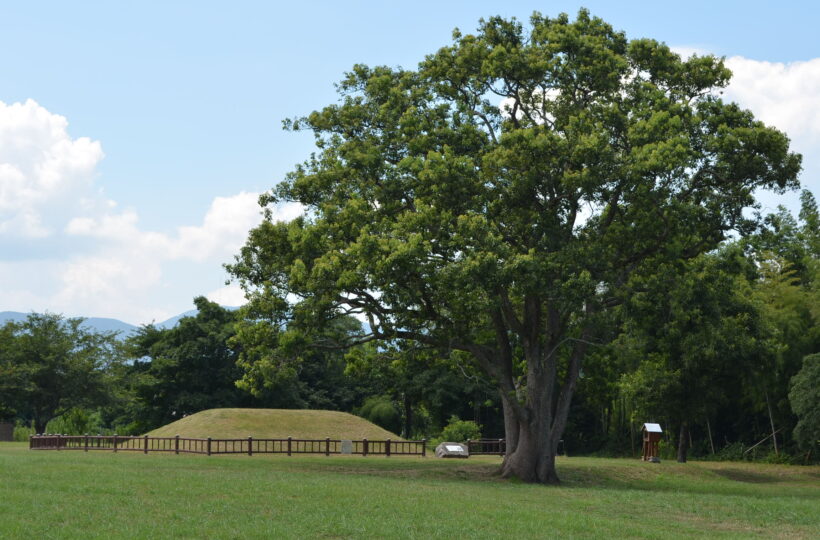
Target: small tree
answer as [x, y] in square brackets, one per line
[185, 369]
[49, 364]
[458, 430]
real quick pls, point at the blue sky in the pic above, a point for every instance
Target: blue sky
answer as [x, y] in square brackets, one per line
[162, 121]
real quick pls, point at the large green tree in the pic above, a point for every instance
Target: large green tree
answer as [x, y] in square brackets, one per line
[690, 335]
[501, 197]
[49, 364]
[279, 372]
[185, 369]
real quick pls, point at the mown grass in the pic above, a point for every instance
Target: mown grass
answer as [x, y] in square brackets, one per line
[273, 424]
[48, 494]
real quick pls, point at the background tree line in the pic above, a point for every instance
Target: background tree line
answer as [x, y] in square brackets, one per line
[721, 350]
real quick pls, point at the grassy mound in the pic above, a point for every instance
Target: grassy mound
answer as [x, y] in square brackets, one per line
[273, 424]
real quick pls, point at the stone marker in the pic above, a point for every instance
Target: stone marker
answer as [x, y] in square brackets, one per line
[347, 447]
[452, 450]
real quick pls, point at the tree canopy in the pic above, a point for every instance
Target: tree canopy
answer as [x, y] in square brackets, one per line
[185, 369]
[49, 365]
[805, 400]
[501, 197]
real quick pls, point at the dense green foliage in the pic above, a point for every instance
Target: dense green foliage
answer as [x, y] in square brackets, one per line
[460, 430]
[49, 365]
[381, 411]
[184, 369]
[509, 232]
[805, 401]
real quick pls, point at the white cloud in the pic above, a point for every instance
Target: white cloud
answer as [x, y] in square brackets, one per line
[130, 262]
[94, 258]
[230, 295]
[223, 230]
[41, 169]
[785, 95]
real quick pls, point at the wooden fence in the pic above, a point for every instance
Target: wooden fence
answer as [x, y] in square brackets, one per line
[486, 447]
[209, 446]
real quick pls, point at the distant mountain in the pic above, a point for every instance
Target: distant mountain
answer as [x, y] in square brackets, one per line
[102, 324]
[172, 322]
[13, 316]
[96, 324]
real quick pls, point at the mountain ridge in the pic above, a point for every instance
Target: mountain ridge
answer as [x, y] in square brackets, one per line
[107, 324]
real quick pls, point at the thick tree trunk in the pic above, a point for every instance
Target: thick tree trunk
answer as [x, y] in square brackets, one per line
[534, 425]
[683, 442]
[511, 426]
[40, 425]
[532, 461]
[532, 457]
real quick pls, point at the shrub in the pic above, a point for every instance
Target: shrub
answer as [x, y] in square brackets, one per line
[22, 432]
[381, 411]
[458, 430]
[731, 452]
[75, 421]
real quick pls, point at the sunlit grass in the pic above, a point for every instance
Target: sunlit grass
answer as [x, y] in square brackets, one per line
[273, 424]
[101, 494]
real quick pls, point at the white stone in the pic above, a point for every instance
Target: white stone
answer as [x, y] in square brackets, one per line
[452, 450]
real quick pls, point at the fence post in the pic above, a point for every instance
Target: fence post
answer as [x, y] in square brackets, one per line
[327, 446]
[250, 446]
[209, 446]
[364, 448]
[30, 442]
[58, 441]
[502, 447]
[423, 447]
[289, 441]
[176, 445]
[86, 442]
[114, 442]
[387, 448]
[145, 445]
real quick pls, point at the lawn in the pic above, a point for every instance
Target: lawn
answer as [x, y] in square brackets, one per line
[49, 494]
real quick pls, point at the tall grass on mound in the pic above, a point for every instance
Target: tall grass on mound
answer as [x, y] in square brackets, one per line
[273, 424]
[102, 495]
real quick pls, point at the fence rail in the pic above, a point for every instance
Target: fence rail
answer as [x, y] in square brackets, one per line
[209, 446]
[486, 447]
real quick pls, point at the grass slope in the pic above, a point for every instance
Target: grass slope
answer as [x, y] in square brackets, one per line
[273, 424]
[131, 495]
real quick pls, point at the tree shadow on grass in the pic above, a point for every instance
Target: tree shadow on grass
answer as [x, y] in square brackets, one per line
[692, 478]
[740, 475]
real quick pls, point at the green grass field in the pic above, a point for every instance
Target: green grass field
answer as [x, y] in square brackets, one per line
[71, 494]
